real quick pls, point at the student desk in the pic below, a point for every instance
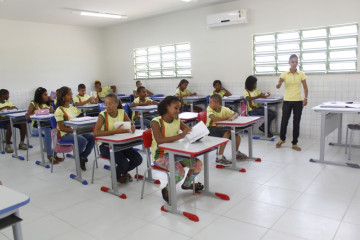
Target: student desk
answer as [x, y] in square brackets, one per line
[10, 202]
[331, 119]
[76, 126]
[39, 119]
[184, 148]
[188, 117]
[231, 99]
[119, 142]
[16, 117]
[159, 99]
[123, 97]
[141, 110]
[88, 107]
[265, 102]
[193, 99]
[5, 113]
[239, 122]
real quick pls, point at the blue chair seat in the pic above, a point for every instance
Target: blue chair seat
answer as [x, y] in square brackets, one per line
[66, 143]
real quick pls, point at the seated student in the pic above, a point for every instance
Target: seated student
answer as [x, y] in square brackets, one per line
[42, 101]
[83, 99]
[219, 89]
[64, 112]
[128, 159]
[250, 94]
[6, 104]
[182, 92]
[142, 100]
[216, 112]
[139, 84]
[101, 92]
[165, 129]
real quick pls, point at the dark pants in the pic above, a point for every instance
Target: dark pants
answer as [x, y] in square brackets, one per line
[296, 107]
[126, 160]
[261, 111]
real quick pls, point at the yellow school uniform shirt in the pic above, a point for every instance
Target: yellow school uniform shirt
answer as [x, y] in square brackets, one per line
[63, 114]
[135, 114]
[109, 121]
[179, 92]
[79, 99]
[167, 129]
[250, 104]
[293, 85]
[223, 112]
[104, 91]
[7, 103]
[37, 107]
[221, 93]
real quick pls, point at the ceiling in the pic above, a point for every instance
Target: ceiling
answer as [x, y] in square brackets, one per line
[61, 11]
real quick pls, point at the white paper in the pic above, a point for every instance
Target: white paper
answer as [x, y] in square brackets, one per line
[125, 125]
[82, 119]
[197, 132]
[335, 104]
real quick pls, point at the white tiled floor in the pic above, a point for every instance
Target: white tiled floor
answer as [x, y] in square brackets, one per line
[282, 197]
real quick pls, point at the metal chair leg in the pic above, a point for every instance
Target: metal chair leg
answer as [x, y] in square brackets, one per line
[143, 184]
[346, 143]
[351, 137]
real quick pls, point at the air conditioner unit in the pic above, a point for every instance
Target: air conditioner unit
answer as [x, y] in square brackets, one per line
[228, 18]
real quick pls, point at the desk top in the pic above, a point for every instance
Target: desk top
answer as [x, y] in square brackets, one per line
[239, 121]
[121, 94]
[145, 108]
[83, 121]
[186, 116]
[232, 98]
[338, 107]
[16, 115]
[194, 98]
[157, 98]
[120, 138]
[89, 106]
[11, 200]
[269, 100]
[193, 149]
[41, 117]
[11, 112]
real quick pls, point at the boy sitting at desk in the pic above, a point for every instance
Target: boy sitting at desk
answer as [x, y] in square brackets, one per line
[6, 104]
[216, 112]
[84, 99]
[219, 89]
[142, 100]
[139, 84]
[102, 92]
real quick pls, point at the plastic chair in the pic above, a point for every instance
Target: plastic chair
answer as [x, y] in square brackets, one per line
[207, 98]
[131, 98]
[101, 107]
[128, 111]
[202, 116]
[352, 127]
[147, 140]
[59, 146]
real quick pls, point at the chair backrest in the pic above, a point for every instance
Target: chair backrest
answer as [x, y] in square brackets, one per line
[158, 95]
[127, 109]
[131, 97]
[147, 138]
[101, 107]
[202, 116]
[53, 122]
[207, 98]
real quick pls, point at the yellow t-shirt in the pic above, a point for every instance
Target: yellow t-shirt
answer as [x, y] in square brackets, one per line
[65, 114]
[109, 121]
[7, 103]
[104, 92]
[250, 104]
[135, 114]
[221, 93]
[37, 107]
[293, 85]
[179, 92]
[79, 99]
[224, 112]
[168, 129]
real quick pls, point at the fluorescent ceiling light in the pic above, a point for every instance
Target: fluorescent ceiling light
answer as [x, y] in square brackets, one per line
[186, 0]
[99, 14]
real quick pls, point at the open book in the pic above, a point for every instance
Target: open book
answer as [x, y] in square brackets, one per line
[125, 125]
[197, 132]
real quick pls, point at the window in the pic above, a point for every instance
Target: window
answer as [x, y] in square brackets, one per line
[168, 61]
[321, 50]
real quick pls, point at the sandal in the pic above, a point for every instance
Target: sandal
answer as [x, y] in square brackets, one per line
[281, 142]
[53, 161]
[59, 159]
[198, 186]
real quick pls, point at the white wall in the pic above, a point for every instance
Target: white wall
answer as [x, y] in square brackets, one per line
[226, 53]
[47, 55]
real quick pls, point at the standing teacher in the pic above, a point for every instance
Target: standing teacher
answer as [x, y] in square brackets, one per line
[292, 100]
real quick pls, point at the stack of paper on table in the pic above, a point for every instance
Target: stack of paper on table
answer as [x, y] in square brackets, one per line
[125, 125]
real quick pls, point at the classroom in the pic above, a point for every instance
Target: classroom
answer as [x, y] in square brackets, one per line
[106, 95]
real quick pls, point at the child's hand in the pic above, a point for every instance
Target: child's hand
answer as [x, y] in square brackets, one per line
[185, 131]
[132, 129]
